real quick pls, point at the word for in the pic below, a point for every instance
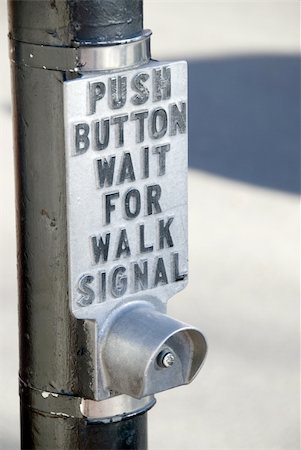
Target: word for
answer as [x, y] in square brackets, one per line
[131, 202]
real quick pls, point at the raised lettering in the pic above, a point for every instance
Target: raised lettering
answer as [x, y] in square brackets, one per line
[101, 133]
[140, 276]
[105, 171]
[145, 162]
[109, 207]
[81, 138]
[138, 86]
[119, 282]
[100, 248]
[175, 264]
[118, 90]
[87, 294]
[132, 203]
[144, 248]
[153, 194]
[160, 273]
[161, 151]
[158, 123]
[96, 90]
[164, 233]
[119, 134]
[123, 244]
[102, 286]
[161, 84]
[127, 169]
[140, 117]
[177, 119]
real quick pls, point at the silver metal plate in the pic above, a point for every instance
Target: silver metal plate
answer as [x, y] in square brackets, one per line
[126, 159]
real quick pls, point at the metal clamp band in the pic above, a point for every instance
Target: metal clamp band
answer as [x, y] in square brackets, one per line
[112, 409]
[118, 55]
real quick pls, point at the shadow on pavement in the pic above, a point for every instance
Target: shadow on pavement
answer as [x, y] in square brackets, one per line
[244, 119]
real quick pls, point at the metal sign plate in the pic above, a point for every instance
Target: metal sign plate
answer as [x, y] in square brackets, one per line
[126, 161]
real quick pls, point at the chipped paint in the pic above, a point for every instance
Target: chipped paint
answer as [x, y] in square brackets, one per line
[45, 394]
[61, 414]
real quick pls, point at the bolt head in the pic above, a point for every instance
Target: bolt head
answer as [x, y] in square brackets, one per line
[168, 359]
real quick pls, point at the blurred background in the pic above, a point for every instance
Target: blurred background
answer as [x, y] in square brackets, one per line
[244, 227]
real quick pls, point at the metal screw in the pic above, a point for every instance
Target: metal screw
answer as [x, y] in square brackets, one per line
[166, 359]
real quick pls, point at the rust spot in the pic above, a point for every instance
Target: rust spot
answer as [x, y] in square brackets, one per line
[52, 33]
[45, 213]
[53, 4]
[52, 221]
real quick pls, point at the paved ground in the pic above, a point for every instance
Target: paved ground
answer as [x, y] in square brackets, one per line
[244, 277]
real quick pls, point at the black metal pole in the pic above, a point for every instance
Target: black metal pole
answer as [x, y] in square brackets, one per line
[54, 346]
